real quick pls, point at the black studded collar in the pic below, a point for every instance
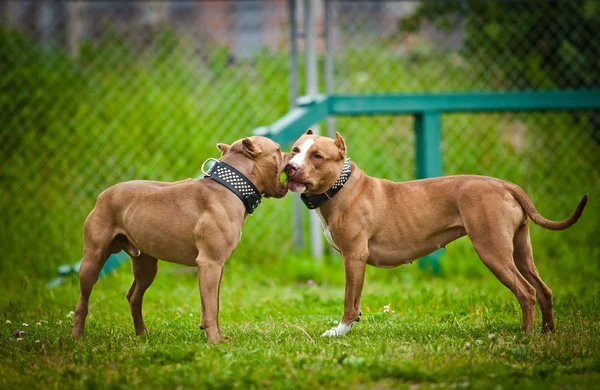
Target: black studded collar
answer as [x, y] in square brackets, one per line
[236, 182]
[314, 201]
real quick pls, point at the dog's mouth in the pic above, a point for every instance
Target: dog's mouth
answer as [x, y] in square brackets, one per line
[297, 186]
[278, 193]
[282, 191]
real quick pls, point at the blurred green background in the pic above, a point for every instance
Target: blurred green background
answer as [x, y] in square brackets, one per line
[99, 93]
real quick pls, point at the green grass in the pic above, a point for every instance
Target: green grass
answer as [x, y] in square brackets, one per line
[458, 330]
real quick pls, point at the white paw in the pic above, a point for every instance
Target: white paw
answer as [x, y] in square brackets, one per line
[330, 333]
[340, 330]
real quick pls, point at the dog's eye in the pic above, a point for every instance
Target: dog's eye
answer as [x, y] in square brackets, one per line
[318, 156]
[296, 150]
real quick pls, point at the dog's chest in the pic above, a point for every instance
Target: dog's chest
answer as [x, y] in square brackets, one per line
[326, 230]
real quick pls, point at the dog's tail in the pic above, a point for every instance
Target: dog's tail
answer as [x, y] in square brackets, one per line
[536, 217]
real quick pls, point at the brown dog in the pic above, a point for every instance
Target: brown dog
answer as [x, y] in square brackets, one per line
[195, 222]
[386, 224]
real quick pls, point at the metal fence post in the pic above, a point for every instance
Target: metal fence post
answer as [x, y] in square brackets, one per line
[428, 153]
[329, 62]
[312, 88]
[329, 73]
[294, 92]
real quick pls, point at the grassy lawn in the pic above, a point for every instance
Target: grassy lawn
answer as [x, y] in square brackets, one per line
[461, 329]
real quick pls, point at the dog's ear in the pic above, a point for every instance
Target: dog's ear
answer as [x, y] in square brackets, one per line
[341, 144]
[309, 132]
[224, 148]
[251, 148]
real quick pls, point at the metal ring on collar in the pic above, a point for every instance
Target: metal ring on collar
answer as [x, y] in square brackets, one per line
[205, 172]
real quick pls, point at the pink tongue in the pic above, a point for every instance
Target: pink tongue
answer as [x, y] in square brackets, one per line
[296, 187]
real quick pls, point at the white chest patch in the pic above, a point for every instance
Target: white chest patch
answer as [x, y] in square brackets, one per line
[326, 230]
[298, 159]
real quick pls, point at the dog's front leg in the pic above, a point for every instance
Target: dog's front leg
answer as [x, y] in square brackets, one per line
[354, 268]
[209, 279]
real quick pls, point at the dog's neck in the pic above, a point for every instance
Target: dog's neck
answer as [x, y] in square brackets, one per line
[236, 174]
[244, 165]
[313, 201]
[343, 199]
[240, 162]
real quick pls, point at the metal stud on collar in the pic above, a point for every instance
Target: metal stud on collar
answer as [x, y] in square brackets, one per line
[343, 177]
[314, 201]
[236, 182]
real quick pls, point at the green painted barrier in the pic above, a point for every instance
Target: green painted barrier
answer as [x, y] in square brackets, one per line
[113, 262]
[428, 154]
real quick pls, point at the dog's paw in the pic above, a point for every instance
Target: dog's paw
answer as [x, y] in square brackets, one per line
[339, 330]
[330, 333]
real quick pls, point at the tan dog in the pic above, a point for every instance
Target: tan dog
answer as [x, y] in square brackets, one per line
[386, 224]
[195, 222]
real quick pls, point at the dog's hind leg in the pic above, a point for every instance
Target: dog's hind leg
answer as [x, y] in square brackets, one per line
[500, 262]
[96, 250]
[492, 231]
[144, 268]
[523, 256]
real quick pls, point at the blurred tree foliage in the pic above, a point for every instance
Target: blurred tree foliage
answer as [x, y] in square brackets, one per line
[566, 56]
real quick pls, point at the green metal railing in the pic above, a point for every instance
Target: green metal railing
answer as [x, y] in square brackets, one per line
[427, 110]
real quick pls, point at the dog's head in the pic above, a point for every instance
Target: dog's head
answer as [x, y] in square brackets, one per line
[269, 162]
[316, 163]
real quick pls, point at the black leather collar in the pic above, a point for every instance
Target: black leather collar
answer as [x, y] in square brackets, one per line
[314, 201]
[237, 183]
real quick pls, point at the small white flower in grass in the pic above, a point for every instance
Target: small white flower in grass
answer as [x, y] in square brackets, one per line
[71, 314]
[20, 338]
[491, 336]
[37, 341]
[59, 322]
[335, 322]
[386, 309]
[25, 324]
[38, 324]
[7, 321]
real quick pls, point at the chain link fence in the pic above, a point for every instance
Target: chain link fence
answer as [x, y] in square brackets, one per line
[95, 93]
[460, 46]
[144, 91]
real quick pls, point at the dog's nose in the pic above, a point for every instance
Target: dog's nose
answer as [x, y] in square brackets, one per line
[292, 168]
